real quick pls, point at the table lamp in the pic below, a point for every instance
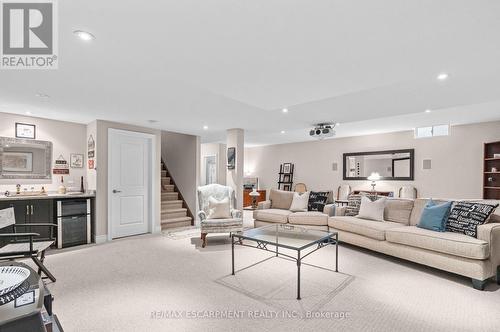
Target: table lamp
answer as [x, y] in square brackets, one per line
[254, 194]
[374, 177]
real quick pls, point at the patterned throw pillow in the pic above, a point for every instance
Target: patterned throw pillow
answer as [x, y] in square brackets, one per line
[354, 203]
[466, 216]
[317, 200]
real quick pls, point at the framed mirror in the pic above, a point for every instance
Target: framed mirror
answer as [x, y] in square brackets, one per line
[25, 159]
[390, 165]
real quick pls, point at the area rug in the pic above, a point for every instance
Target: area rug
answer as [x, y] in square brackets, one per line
[182, 233]
[273, 281]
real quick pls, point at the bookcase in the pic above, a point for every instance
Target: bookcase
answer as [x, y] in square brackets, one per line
[491, 171]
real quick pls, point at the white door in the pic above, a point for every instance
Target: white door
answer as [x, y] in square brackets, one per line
[129, 183]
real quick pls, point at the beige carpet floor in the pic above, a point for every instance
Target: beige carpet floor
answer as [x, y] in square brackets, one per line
[156, 283]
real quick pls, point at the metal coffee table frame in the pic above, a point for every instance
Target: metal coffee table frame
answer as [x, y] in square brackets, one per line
[328, 239]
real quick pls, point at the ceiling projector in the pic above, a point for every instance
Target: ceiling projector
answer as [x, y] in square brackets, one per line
[323, 130]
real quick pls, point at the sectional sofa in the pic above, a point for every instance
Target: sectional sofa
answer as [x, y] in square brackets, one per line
[277, 210]
[476, 258]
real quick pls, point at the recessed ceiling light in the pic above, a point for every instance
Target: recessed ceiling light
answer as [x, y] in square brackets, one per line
[205, 127]
[442, 76]
[282, 131]
[285, 110]
[28, 113]
[337, 124]
[84, 35]
[428, 111]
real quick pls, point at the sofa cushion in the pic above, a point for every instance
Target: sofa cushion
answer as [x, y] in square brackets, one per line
[445, 242]
[466, 216]
[398, 210]
[418, 208]
[434, 216]
[308, 218]
[317, 200]
[369, 228]
[280, 199]
[372, 210]
[272, 215]
[300, 202]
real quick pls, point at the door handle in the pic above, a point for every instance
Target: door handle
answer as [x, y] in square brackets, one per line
[32, 210]
[116, 191]
[27, 210]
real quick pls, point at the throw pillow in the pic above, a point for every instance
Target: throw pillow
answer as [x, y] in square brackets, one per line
[434, 216]
[317, 200]
[354, 202]
[300, 202]
[373, 210]
[219, 209]
[466, 216]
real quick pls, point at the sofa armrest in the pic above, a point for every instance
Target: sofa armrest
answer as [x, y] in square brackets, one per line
[329, 210]
[202, 215]
[236, 214]
[490, 233]
[264, 205]
[340, 211]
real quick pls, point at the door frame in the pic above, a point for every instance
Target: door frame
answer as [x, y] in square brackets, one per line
[153, 163]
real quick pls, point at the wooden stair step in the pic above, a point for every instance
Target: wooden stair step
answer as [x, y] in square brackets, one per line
[165, 180]
[175, 222]
[168, 188]
[173, 213]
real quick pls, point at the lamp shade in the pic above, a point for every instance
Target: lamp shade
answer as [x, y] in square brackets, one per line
[374, 176]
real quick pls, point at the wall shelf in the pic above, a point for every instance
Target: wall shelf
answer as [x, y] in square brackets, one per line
[491, 178]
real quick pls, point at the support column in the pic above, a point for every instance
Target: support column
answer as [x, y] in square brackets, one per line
[235, 138]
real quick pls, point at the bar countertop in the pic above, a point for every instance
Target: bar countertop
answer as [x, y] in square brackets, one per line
[14, 197]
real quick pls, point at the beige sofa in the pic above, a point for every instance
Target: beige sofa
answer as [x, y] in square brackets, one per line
[276, 210]
[476, 258]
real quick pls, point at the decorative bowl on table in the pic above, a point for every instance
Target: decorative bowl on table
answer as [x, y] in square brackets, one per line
[11, 277]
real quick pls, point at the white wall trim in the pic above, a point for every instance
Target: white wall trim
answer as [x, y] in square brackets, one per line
[99, 239]
[153, 178]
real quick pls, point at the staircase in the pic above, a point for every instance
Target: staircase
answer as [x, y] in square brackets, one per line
[174, 210]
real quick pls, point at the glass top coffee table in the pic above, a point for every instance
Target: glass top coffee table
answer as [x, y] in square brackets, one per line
[300, 239]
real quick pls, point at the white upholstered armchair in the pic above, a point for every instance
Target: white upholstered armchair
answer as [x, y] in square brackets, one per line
[224, 225]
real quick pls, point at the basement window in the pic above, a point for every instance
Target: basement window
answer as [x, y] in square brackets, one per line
[432, 131]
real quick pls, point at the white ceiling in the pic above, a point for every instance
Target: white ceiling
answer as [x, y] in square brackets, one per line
[370, 65]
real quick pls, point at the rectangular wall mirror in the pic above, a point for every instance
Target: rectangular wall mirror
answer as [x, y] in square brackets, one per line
[390, 165]
[25, 159]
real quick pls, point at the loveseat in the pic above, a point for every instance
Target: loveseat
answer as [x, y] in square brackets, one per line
[277, 210]
[476, 258]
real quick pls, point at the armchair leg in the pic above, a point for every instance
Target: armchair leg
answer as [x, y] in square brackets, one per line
[203, 239]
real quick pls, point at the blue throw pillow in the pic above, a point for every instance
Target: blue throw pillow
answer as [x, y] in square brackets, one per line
[434, 216]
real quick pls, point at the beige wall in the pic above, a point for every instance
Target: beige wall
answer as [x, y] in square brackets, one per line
[212, 149]
[102, 174]
[456, 161]
[66, 138]
[181, 154]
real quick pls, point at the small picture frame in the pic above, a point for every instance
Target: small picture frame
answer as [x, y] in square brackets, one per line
[25, 130]
[231, 158]
[287, 187]
[286, 178]
[287, 168]
[76, 160]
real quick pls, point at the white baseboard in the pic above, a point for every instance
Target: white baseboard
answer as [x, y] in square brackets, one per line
[101, 238]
